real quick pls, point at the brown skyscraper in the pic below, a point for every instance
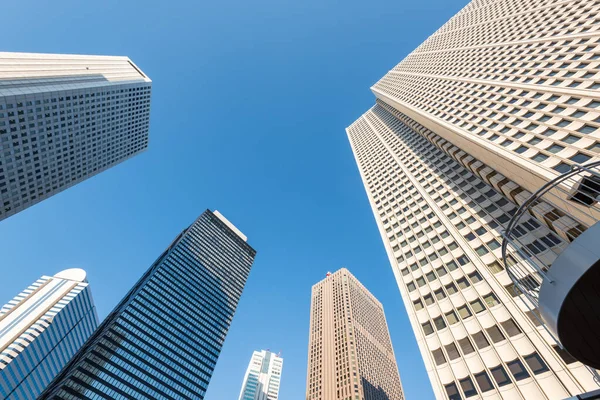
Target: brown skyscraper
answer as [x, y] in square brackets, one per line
[350, 354]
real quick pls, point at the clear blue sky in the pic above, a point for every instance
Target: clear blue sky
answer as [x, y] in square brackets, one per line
[250, 101]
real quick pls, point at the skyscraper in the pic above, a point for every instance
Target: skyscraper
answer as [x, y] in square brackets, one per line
[497, 102]
[163, 339]
[263, 377]
[65, 118]
[350, 354]
[41, 329]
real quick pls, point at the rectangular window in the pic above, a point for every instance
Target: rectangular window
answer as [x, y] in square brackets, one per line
[438, 356]
[427, 328]
[428, 299]
[466, 345]
[451, 289]
[464, 312]
[418, 304]
[480, 341]
[500, 376]
[439, 323]
[463, 283]
[468, 387]
[517, 369]
[439, 294]
[452, 392]
[495, 334]
[495, 267]
[510, 327]
[484, 382]
[452, 351]
[477, 306]
[491, 300]
[475, 277]
[536, 363]
[451, 317]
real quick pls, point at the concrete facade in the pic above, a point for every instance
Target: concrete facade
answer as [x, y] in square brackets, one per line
[350, 354]
[65, 118]
[500, 100]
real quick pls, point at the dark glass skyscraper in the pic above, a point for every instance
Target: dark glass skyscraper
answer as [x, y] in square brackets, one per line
[163, 339]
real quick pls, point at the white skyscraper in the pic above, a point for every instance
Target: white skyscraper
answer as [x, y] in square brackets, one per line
[65, 118]
[263, 377]
[41, 329]
[500, 101]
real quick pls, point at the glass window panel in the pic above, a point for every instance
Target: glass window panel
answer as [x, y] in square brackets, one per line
[484, 382]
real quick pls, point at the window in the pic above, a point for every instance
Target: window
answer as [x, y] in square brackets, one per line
[495, 267]
[467, 387]
[463, 283]
[439, 294]
[428, 299]
[481, 250]
[427, 328]
[566, 357]
[452, 266]
[441, 271]
[475, 277]
[430, 276]
[477, 306]
[439, 323]
[510, 327]
[500, 376]
[480, 341]
[464, 312]
[466, 346]
[411, 286]
[517, 369]
[418, 304]
[452, 392]
[421, 281]
[491, 300]
[452, 351]
[512, 289]
[536, 363]
[562, 167]
[484, 382]
[451, 317]
[438, 356]
[555, 148]
[451, 289]
[495, 334]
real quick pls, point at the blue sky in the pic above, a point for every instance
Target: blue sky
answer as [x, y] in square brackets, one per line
[249, 105]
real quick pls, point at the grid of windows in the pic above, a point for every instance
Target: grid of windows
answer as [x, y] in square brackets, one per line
[57, 131]
[164, 338]
[350, 350]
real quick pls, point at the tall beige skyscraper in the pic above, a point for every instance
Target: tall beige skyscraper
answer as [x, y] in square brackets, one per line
[499, 101]
[350, 354]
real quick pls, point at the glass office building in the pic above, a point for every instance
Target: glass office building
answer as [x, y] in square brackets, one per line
[163, 339]
[41, 329]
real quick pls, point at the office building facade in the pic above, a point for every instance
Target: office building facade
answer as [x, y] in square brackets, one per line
[263, 377]
[162, 341]
[350, 354]
[65, 118]
[41, 329]
[499, 101]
